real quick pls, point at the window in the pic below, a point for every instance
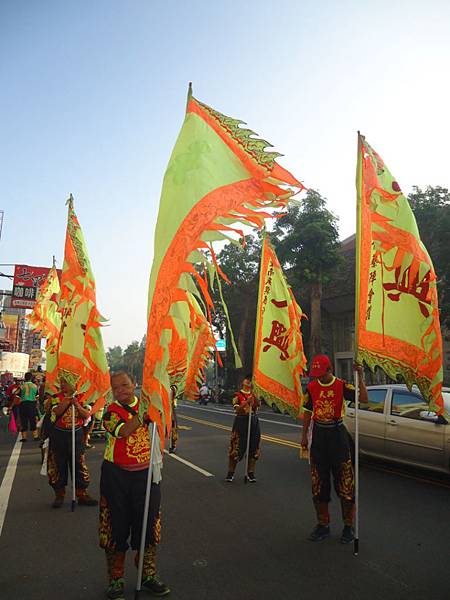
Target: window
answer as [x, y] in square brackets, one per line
[406, 404]
[376, 401]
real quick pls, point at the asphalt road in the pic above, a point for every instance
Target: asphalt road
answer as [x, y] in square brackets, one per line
[235, 541]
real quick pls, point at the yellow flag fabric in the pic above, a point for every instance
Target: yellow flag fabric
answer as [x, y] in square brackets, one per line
[219, 175]
[46, 318]
[279, 361]
[81, 355]
[397, 314]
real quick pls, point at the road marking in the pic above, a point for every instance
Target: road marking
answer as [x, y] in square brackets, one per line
[221, 411]
[8, 478]
[266, 438]
[290, 444]
[189, 464]
[281, 423]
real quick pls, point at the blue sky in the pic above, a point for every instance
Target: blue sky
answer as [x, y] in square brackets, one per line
[93, 96]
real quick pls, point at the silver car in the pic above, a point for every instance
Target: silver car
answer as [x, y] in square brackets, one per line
[396, 425]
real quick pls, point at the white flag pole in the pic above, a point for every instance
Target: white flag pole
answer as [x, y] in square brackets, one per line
[356, 540]
[73, 459]
[247, 451]
[146, 509]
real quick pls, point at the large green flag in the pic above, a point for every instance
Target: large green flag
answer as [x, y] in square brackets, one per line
[81, 355]
[219, 176]
[397, 314]
[279, 359]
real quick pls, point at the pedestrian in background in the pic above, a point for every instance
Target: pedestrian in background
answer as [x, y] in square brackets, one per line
[13, 401]
[28, 408]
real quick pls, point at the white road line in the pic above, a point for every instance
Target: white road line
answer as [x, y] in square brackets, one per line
[226, 412]
[8, 479]
[189, 464]
[281, 423]
[223, 411]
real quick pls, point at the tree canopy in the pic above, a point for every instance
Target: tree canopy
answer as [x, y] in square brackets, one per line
[431, 208]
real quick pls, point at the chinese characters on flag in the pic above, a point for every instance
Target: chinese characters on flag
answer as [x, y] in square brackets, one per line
[279, 358]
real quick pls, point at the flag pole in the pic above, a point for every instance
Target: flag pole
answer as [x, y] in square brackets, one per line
[247, 451]
[357, 309]
[146, 508]
[73, 459]
[356, 540]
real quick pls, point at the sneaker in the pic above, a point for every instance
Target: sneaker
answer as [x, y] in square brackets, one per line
[58, 502]
[229, 477]
[115, 590]
[319, 533]
[347, 536]
[155, 586]
[86, 500]
[251, 478]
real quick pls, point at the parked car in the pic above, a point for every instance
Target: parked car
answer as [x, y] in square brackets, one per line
[397, 425]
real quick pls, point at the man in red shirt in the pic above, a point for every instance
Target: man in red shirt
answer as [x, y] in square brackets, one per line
[60, 448]
[244, 403]
[330, 448]
[122, 488]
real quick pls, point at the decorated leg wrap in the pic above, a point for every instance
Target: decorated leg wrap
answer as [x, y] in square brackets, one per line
[233, 450]
[149, 565]
[115, 562]
[323, 516]
[348, 511]
[251, 465]
[232, 465]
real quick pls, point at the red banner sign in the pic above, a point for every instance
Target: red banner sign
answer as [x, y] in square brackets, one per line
[27, 281]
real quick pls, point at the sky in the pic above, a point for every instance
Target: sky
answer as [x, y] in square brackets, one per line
[93, 97]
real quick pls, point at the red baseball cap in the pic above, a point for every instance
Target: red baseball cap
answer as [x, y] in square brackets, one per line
[320, 365]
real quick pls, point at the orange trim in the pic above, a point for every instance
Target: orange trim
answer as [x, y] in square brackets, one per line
[253, 167]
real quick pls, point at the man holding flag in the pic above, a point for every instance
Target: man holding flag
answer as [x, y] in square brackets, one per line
[60, 449]
[122, 487]
[245, 423]
[330, 447]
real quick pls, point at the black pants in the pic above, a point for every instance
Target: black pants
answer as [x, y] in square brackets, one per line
[27, 411]
[122, 508]
[331, 454]
[238, 441]
[60, 459]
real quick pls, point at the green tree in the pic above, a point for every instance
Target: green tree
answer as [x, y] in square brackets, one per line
[132, 358]
[241, 265]
[114, 356]
[431, 208]
[307, 241]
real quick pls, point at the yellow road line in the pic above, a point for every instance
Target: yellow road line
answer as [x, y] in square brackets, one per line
[266, 438]
[281, 442]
